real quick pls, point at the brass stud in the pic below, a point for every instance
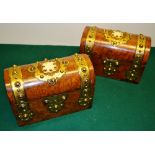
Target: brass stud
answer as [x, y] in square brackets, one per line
[25, 115]
[14, 72]
[135, 66]
[18, 90]
[104, 61]
[65, 62]
[141, 45]
[55, 106]
[17, 84]
[21, 101]
[52, 81]
[141, 36]
[110, 64]
[31, 68]
[86, 99]
[86, 80]
[85, 90]
[22, 105]
[41, 76]
[61, 70]
[86, 86]
[21, 95]
[46, 101]
[44, 70]
[90, 36]
[19, 115]
[87, 49]
[63, 97]
[79, 101]
[84, 69]
[117, 63]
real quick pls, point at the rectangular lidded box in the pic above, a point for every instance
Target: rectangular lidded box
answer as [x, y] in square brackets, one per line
[115, 54]
[50, 88]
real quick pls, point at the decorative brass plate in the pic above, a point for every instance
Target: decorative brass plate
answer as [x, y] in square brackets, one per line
[50, 70]
[110, 66]
[55, 103]
[90, 40]
[85, 92]
[23, 110]
[135, 68]
[116, 37]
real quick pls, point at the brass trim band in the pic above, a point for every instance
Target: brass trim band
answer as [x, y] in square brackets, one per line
[85, 90]
[90, 40]
[135, 68]
[17, 84]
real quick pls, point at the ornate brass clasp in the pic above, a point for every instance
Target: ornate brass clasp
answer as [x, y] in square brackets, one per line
[55, 103]
[110, 66]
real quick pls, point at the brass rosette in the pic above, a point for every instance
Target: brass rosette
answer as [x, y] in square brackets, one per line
[50, 70]
[116, 37]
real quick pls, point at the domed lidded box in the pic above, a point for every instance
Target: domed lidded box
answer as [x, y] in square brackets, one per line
[116, 54]
[50, 88]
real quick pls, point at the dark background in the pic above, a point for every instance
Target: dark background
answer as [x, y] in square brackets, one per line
[117, 105]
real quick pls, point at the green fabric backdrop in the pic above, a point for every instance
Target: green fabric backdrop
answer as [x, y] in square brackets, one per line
[117, 105]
